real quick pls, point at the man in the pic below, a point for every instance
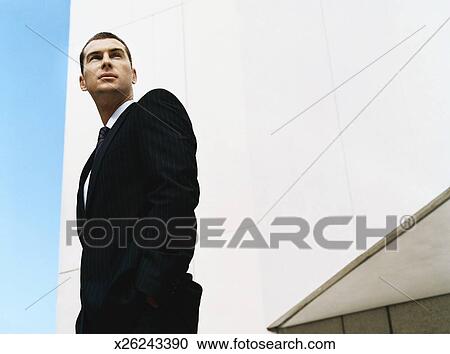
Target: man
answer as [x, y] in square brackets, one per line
[135, 203]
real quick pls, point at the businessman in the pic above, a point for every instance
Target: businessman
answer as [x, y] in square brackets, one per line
[135, 204]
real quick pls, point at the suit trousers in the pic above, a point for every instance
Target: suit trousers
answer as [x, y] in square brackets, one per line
[177, 313]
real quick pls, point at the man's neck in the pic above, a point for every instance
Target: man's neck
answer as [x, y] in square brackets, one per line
[107, 105]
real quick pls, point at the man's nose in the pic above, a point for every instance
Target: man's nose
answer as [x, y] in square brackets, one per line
[106, 61]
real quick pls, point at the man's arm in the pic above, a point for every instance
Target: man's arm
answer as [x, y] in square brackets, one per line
[167, 147]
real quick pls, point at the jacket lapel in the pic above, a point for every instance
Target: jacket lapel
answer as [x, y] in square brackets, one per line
[80, 196]
[98, 158]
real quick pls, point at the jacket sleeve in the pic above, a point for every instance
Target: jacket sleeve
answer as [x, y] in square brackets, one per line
[167, 147]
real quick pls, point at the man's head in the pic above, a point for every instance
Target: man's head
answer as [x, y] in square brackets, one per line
[106, 66]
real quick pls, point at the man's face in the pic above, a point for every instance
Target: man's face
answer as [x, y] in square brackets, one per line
[107, 69]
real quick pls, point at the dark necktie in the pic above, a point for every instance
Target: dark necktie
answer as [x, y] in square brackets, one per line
[101, 137]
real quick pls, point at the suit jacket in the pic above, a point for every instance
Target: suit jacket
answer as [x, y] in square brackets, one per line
[143, 176]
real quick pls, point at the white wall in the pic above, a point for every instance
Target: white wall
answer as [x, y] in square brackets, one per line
[243, 68]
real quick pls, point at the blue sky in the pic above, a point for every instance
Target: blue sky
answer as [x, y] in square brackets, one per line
[33, 92]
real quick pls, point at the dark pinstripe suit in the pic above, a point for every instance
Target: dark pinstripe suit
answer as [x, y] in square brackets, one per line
[146, 167]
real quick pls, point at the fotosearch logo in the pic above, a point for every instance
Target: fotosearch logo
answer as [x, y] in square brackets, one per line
[187, 232]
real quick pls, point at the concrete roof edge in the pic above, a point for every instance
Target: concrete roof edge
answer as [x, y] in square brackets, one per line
[394, 234]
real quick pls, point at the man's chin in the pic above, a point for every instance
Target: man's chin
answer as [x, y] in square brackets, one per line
[107, 90]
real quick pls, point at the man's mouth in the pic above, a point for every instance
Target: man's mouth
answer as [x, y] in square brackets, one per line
[107, 76]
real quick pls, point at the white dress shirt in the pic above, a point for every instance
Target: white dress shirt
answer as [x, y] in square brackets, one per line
[109, 124]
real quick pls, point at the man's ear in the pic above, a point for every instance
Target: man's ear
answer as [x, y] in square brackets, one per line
[133, 76]
[82, 83]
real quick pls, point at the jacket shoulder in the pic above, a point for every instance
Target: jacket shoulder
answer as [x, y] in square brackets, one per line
[158, 94]
[160, 107]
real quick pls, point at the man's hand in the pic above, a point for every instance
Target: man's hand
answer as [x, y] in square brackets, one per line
[152, 301]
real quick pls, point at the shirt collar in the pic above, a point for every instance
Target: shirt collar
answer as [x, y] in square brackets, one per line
[117, 113]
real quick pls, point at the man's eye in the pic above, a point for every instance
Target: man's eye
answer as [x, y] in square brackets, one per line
[95, 57]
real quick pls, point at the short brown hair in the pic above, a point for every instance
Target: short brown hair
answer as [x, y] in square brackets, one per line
[103, 35]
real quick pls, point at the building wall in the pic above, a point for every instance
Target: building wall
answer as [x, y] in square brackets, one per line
[243, 69]
[430, 315]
